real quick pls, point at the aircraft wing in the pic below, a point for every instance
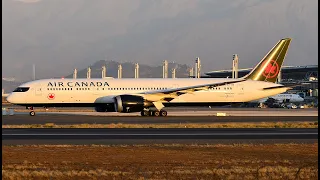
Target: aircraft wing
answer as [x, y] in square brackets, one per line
[159, 96]
[169, 94]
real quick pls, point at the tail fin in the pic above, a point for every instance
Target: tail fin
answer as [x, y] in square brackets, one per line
[269, 67]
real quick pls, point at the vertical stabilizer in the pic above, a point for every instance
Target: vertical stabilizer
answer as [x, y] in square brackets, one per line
[269, 67]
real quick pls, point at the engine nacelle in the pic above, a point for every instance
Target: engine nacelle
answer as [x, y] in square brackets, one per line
[129, 103]
[104, 108]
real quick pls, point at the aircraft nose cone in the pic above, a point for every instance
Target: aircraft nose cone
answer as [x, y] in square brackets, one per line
[10, 99]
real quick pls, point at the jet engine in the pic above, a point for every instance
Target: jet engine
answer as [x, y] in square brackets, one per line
[104, 104]
[130, 103]
[104, 108]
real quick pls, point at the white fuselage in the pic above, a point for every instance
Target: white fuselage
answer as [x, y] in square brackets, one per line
[89, 91]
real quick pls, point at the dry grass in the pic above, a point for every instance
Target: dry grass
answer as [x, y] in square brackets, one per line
[181, 125]
[238, 161]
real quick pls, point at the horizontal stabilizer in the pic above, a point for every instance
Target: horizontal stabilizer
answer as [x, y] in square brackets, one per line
[289, 87]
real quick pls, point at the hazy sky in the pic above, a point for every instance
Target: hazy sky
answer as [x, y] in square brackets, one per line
[59, 35]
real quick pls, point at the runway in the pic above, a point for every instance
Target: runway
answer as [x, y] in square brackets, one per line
[92, 136]
[200, 112]
[60, 119]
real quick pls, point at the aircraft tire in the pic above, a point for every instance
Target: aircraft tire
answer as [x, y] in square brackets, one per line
[32, 113]
[156, 113]
[145, 113]
[163, 113]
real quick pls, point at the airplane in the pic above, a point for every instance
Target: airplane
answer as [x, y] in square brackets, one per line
[282, 98]
[150, 96]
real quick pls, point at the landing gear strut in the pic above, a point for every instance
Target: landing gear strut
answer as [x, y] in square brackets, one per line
[148, 112]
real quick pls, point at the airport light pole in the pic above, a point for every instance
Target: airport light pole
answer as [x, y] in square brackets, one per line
[119, 71]
[104, 72]
[75, 72]
[136, 71]
[191, 72]
[88, 73]
[235, 63]
[279, 76]
[165, 69]
[197, 67]
[173, 72]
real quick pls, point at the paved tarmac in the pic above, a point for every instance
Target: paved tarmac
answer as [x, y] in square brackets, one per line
[171, 109]
[178, 111]
[107, 136]
[81, 119]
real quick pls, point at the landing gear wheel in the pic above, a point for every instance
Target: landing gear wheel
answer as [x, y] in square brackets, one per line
[156, 113]
[144, 113]
[163, 113]
[32, 113]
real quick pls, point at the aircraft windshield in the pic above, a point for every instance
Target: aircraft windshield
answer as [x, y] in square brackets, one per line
[21, 89]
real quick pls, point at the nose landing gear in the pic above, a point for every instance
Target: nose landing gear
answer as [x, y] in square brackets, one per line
[31, 113]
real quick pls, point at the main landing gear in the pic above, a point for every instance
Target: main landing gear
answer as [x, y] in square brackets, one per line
[149, 112]
[31, 113]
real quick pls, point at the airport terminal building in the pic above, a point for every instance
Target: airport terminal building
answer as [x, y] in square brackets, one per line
[290, 75]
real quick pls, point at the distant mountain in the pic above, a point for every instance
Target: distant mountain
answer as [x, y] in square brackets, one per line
[9, 86]
[145, 71]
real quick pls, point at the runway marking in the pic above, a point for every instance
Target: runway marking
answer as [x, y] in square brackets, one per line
[159, 134]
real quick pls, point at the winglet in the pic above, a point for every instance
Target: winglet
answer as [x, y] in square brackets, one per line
[269, 67]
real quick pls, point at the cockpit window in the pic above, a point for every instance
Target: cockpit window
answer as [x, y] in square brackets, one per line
[21, 89]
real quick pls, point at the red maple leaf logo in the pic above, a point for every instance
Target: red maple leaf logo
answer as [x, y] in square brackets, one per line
[51, 96]
[271, 70]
